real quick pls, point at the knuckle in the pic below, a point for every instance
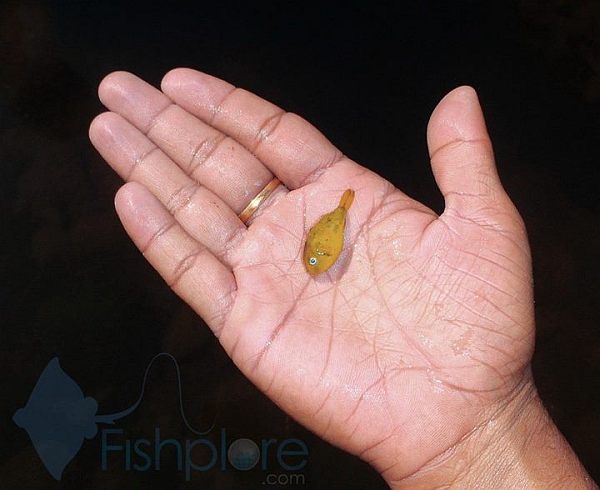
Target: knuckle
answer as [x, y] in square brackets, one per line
[184, 266]
[204, 150]
[181, 198]
[267, 129]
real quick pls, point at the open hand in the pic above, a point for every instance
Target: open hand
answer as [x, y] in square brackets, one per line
[421, 331]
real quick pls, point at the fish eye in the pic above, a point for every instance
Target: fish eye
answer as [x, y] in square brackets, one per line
[312, 261]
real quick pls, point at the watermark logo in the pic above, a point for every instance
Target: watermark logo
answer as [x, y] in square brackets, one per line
[58, 418]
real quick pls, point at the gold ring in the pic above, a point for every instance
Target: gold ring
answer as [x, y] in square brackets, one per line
[258, 200]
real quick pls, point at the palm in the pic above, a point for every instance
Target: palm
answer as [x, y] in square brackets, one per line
[422, 325]
[418, 319]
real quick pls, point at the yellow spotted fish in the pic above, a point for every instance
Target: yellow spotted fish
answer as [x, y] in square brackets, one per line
[326, 239]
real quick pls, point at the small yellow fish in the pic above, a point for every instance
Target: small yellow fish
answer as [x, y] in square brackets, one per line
[326, 239]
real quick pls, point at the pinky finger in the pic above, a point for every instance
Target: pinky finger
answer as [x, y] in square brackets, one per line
[192, 271]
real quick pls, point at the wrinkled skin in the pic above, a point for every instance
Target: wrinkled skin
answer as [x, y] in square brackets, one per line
[419, 333]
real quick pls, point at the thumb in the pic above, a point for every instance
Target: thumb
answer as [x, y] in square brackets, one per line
[461, 153]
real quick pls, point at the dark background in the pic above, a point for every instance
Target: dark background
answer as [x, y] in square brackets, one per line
[73, 286]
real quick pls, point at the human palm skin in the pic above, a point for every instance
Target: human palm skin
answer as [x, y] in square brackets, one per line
[423, 329]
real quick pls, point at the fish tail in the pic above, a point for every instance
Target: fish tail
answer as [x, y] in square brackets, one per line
[346, 200]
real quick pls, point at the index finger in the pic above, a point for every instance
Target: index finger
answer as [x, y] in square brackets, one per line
[293, 149]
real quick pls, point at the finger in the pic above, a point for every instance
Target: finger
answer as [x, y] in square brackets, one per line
[196, 275]
[208, 156]
[461, 152]
[203, 215]
[294, 150]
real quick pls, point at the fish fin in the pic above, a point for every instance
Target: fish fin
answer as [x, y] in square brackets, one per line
[347, 198]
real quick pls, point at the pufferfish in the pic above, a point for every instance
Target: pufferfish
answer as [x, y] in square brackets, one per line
[325, 240]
